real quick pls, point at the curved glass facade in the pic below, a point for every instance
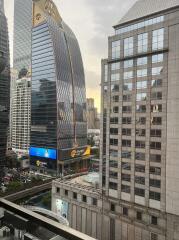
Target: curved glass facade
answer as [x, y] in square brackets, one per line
[58, 89]
[4, 86]
[79, 92]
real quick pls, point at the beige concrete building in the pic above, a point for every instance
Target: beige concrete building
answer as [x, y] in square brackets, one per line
[138, 196]
[92, 115]
[79, 199]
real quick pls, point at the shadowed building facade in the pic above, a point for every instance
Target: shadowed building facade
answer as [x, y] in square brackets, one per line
[59, 128]
[4, 85]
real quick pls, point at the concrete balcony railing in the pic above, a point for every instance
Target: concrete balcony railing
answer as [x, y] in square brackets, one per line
[23, 219]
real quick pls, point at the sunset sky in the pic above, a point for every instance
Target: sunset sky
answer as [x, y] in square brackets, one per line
[91, 21]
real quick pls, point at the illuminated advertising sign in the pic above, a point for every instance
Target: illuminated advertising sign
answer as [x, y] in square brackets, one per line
[43, 153]
[66, 154]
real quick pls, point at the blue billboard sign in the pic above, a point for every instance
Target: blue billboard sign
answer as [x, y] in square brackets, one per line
[43, 152]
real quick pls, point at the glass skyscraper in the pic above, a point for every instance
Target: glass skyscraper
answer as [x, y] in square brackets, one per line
[59, 128]
[4, 85]
[22, 34]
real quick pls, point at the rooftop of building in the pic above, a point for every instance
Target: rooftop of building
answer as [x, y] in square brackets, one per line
[87, 181]
[144, 8]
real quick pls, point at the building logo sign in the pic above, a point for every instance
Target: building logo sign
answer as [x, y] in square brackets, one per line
[73, 153]
[43, 8]
[38, 163]
[50, 7]
[80, 152]
[66, 154]
[41, 164]
[38, 16]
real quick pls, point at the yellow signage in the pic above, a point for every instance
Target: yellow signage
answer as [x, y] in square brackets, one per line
[81, 152]
[88, 151]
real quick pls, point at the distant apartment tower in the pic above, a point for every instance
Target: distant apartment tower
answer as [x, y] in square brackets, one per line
[92, 115]
[140, 130]
[4, 86]
[21, 64]
[58, 122]
[21, 116]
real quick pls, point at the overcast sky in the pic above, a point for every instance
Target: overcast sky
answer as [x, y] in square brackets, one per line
[91, 21]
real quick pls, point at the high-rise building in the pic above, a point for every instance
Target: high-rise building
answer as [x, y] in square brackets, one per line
[140, 113]
[92, 115]
[22, 34]
[19, 132]
[4, 85]
[139, 133]
[58, 121]
[21, 116]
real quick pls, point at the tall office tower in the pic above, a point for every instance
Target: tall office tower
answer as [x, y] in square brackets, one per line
[58, 121]
[92, 115]
[4, 85]
[21, 64]
[22, 34]
[21, 116]
[140, 129]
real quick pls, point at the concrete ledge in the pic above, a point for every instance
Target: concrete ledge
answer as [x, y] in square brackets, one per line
[51, 225]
